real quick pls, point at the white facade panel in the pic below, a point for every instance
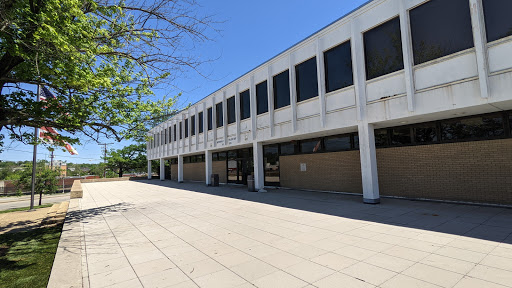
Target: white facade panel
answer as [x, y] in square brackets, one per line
[500, 56]
[283, 115]
[454, 68]
[386, 86]
[308, 108]
[340, 99]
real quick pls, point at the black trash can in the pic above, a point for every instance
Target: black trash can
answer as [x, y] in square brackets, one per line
[250, 183]
[214, 180]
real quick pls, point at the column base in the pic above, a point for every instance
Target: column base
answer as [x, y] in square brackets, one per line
[180, 181]
[371, 201]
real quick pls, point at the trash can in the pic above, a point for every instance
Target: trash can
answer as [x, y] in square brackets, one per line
[214, 180]
[250, 183]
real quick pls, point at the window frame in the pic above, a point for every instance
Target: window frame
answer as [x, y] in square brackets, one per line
[245, 114]
[298, 79]
[275, 87]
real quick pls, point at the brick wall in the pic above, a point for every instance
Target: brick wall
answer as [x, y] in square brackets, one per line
[220, 167]
[335, 171]
[479, 171]
[194, 171]
[174, 172]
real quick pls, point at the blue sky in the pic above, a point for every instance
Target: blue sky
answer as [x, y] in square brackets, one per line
[252, 33]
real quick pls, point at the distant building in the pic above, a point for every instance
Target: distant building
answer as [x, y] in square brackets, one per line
[59, 165]
[406, 98]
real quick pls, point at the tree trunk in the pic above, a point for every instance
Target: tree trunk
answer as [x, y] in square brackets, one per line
[120, 172]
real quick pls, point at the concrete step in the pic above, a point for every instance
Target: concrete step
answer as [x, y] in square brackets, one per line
[56, 215]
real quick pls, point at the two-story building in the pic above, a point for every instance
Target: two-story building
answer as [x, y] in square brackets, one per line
[404, 98]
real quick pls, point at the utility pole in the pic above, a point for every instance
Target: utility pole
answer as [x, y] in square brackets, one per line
[34, 158]
[51, 161]
[105, 158]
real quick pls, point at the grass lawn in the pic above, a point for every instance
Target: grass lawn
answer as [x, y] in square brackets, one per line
[25, 208]
[26, 258]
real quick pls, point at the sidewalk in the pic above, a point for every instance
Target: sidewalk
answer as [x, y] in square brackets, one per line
[164, 234]
[12, 202]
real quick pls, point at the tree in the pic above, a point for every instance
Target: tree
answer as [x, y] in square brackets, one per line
[102, 58]
[46, 180]
[132, 157]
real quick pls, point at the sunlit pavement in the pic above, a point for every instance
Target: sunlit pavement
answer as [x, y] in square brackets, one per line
[164, 234]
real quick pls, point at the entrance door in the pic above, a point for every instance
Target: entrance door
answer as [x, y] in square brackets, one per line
[240, 165]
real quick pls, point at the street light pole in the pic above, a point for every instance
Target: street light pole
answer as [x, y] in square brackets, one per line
[105, 158]
[34, 158]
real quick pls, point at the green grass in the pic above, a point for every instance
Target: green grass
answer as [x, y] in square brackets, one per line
[26, 258]
[25, 208]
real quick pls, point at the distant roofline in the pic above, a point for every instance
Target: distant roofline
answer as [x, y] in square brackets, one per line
[274, 57]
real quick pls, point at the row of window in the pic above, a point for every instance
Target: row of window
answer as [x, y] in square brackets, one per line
[481, 127]
[438, 28]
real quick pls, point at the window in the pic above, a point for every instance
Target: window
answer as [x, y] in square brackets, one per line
[498, 22]
[440, 28]
[170, 134]
[174, 132]
[186, 128]
[381, 138]
[488, 126]
[186, 160]
[262, 98]
[383, 49]
[193, 125]
[338, 67]
[337, 143]
[165, 132]
[289, 148]
[401, 136]
[425, 133]
[162, 138]
[200, 120]
[231, 110]
[245, 105]
[311, 146]
[282, 90]
[210, 118]
[222, 156]
[307, 81]
[181, 131]
[219, 120]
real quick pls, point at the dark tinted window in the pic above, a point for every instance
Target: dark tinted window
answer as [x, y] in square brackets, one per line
[425, 133]
[440, 28]
[165, 141]
[338, 67]
[262, 97]
[174, 129]
[307, 81]
[210, 118]
[222, 156]
[231, 110]
[186, 128]
[181, 131]
[200, 120]
[472, 128]
[356, 141]
[271, 164]
[170, 134]
[186, 160]
[401, 136]
[381, 138]
[383, 49]
[288, 148]
[245, 105]
[282, 90]
[219, 120]
[337, 143]
[311, 146]
[498, 19]
[193, 125]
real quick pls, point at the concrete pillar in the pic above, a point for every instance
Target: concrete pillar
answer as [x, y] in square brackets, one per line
[180, 168]
[368, 163]
[259, 172]
[320, 67]
[149, 170]
[208, 160]
[293, 91]
[405, 30]
[162, 169]
[480, 40]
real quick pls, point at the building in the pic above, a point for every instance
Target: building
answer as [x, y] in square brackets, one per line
[58, 165]
[406, 98]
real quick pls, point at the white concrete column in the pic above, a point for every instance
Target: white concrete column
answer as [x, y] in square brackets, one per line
[237, 112]
[320, 69]
[254, 109]
[182, 130]
[208, 166]
[162, 169]
[225, 117]
[196, 125]
[368, 163]
[149, 170]
[358, 67]
[180, 168]
[259, 172]
[480, 40]
[270, 93]
[189, 132]
[205, 126]
[293, 91]
[405, 30]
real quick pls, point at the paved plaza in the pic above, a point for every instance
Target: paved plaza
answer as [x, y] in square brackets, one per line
[164, 234]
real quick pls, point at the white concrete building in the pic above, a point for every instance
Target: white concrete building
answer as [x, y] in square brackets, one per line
[416, 78]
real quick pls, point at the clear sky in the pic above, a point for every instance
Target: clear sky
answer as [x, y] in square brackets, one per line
[252, 32]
